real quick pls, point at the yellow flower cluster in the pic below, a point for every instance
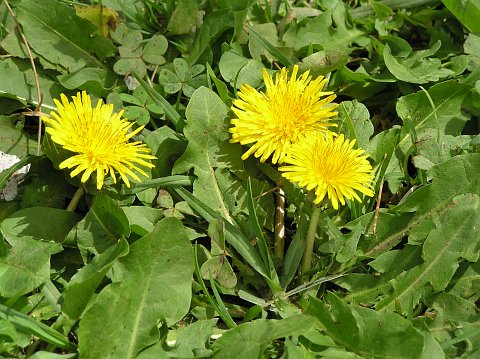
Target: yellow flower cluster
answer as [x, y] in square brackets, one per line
[291, 122]
[99, 140]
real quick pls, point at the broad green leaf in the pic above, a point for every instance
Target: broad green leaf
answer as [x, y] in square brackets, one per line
[142, 219]
[170, 81]
[104, 224]
[83, 284]
[329, 35]
[190, 340]
[249, 340]
[64, 38]
[152, 284]
[15, 142]
[449, 179]
[46, 188]
[25, 266]
[238, 70]
[208, 148]
[41, 223]
[348, 250]
[165, 145]
[456, 320]
[451, 307]
[214, 24]
[95, 81]
[472, 44]
[413, 218]
[416, 68]
[366, 288]
[456, 236]
[10, 336]
[368, 333]
[184, 18]
[181, 68]
[443, 117]
[466, 281]
[354, 122]
[13, 45]
[429, 153]
[382, 149]
[219, 269]
[18, 82]
[466, 11]
[156, 351]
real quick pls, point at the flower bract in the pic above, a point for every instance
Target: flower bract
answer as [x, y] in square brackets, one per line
[99, 140]
[329, 166]
[289, 109]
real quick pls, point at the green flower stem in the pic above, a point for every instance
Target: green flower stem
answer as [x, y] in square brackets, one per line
[179, 99]
[310, 240]
[279, 239]
[76, 198]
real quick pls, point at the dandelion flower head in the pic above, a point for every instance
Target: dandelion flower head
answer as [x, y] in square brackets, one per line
[330, 166]
[99, 139]
[289, 109]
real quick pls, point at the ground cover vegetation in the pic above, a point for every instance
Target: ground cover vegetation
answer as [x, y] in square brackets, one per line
[239, 179]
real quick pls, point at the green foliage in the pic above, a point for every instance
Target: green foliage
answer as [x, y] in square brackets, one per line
[65, 41]
[182, 264]
[372, 334]
[145, 289]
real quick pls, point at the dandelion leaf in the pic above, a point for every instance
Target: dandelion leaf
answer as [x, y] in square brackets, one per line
[413, 217]
[249, 340]
[102, 227]
[208, 148]
[83, 284]
[368, 333]
[57, 34]
[432, 113]
[25, 265]
[456, 237]
[152, 284]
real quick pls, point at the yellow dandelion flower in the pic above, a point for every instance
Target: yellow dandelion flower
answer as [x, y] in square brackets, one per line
[289, 109]
[99, 138]
[331, 166]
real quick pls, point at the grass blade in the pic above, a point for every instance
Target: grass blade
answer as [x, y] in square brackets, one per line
[25, 324]
[220, 308]
[262, 241]
[233, 236]
[170, 112]
[270, 48]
